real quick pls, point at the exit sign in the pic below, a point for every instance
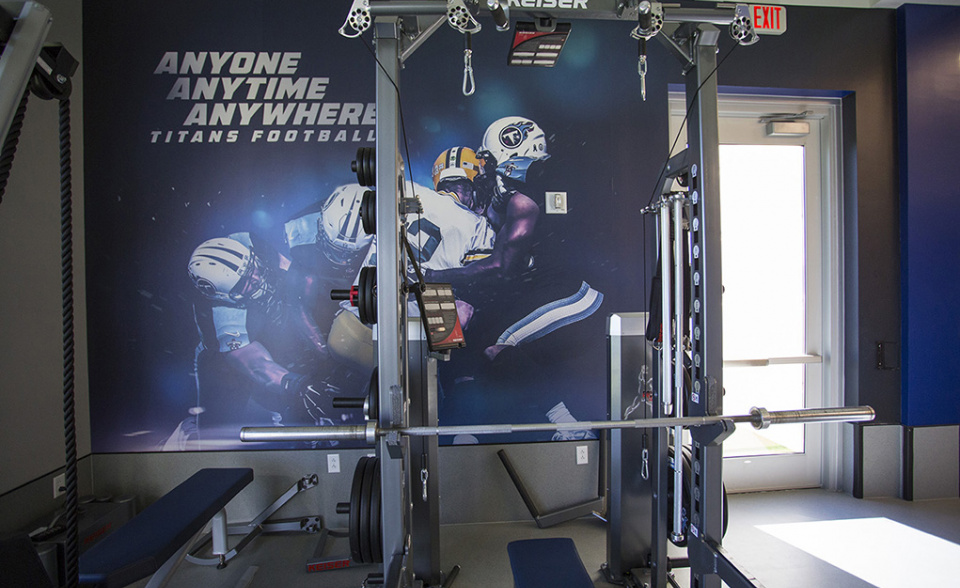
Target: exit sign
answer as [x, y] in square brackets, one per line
[769, 20]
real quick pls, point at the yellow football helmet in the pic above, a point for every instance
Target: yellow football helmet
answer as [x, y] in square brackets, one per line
[456, 163]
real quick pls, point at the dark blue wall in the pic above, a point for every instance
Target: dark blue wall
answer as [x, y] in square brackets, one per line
[929, 103]
[851, 51]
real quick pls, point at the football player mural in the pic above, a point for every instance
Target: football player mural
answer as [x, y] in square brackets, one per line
[261, 353]
[221, 211]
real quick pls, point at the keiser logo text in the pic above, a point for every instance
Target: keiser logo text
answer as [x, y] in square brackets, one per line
[572, 4]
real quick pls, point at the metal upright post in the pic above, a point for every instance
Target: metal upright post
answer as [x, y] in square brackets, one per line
[19, 57]
[391, 307]
[705, 527]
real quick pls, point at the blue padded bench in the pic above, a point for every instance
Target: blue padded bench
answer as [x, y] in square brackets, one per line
[160, 535]
[547, 563]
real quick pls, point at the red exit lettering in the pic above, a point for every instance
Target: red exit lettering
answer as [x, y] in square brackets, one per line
[769, 20]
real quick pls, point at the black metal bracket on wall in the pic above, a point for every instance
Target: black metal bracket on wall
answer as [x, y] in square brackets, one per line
[888, 355]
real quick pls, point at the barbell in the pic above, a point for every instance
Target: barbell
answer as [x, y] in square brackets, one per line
[365, 505]
[760, 418]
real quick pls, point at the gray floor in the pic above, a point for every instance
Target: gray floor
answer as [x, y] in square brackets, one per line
[480, 550]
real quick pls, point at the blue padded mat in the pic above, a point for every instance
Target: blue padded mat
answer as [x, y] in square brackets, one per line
[547, 563]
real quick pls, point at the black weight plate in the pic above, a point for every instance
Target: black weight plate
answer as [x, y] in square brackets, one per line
[368, 295]
[363, 165]
[362, 296]
[368, 212]
[376, 539]
[369, 467]
[355, 491]
[373, 395]
[357, 166]
[371, 167]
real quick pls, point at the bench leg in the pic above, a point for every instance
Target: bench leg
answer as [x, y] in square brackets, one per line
[162, 575]
[219, 531]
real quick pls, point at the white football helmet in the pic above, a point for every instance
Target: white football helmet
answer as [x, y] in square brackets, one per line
[217, 266]
[227, 270]
[341, 234]
[514, 142]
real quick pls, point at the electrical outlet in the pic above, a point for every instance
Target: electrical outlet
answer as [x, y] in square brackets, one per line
[583, 455]
[59, 485]
[333, 463]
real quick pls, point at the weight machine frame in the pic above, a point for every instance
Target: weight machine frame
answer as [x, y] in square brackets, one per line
[400, 27]
[694, 41]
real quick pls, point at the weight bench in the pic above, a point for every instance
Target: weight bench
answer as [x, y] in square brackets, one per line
[547, 563]
[156, 540]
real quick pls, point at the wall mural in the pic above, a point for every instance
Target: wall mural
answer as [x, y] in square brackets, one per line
[221, 210]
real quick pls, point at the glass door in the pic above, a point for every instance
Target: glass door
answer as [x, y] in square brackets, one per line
[779, 231]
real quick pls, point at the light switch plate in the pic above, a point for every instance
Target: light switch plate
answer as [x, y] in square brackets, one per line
[556, 202]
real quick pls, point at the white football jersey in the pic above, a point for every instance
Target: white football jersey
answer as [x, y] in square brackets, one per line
[446, 234]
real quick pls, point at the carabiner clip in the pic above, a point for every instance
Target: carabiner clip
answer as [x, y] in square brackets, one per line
[424, 475]
[469, 86]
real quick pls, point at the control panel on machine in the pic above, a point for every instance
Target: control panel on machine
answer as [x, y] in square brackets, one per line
[438, 309]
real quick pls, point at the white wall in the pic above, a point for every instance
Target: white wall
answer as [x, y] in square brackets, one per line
[31, 376]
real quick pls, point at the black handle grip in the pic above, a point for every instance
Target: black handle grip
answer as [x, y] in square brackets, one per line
[339, 294]
[348, 402]
[645, 16]
[499, 16]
